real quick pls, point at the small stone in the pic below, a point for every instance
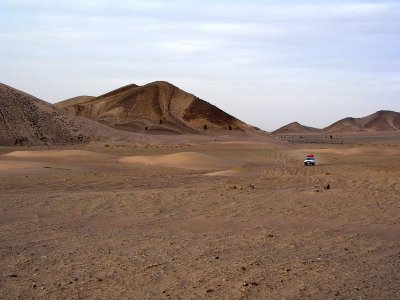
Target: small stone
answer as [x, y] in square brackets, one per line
[216, 257]
[209, 291]
[250, 284]
[287, 269]
[13, 275]
[34, 285]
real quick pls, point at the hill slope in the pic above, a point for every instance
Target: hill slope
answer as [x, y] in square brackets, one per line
[158, 106]
[25, 119]
[296, 128]
[383, 120]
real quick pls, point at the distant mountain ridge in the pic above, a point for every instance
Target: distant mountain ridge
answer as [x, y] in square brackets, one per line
[380, 121]
[157, 107]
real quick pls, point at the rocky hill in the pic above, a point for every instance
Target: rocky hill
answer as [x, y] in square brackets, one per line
[381, 121]
[25, 119]
[295, 128]
[155, 107]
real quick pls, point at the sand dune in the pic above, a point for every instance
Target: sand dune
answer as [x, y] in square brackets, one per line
[157, 107]
[185, 160]
[61, 154]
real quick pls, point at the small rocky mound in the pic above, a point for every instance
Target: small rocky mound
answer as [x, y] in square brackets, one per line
[295, 128]
[27, 120]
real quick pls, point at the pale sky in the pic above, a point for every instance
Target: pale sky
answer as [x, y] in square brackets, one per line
[268, 63]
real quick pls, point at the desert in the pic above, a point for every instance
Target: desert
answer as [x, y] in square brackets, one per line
[200, 149]
[228, 214]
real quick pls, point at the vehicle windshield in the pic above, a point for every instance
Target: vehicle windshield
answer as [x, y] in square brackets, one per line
[310, 158]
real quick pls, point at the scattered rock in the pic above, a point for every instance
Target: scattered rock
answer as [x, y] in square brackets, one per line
[209, 291]
[13, 275]
[250, 284]
[288, 269]
[327, 187]
[235, 187]
[250, 186]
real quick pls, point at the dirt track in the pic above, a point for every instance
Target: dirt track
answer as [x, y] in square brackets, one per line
[94, 227]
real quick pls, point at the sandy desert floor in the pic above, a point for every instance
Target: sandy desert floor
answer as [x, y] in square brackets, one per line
[218, 220]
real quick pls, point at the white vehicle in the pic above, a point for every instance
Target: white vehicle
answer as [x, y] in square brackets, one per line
[310, 160]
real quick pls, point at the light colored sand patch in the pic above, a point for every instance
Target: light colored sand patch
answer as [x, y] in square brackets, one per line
[184, 160]
[58, 154]
[232, 172]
